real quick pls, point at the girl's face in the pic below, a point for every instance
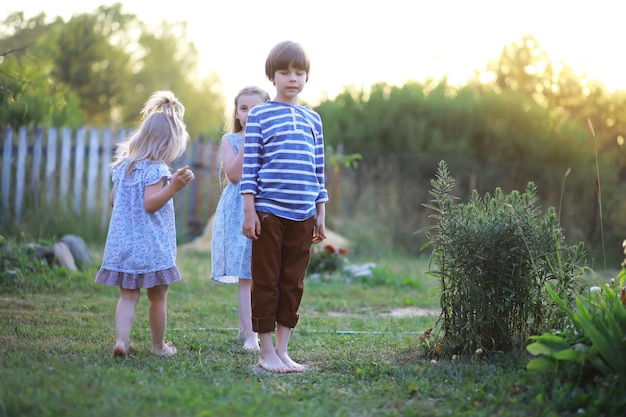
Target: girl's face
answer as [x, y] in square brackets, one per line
[244, 104]
[289, 83]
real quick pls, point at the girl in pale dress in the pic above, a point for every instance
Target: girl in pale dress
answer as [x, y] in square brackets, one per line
[230, 249]
[140, 249]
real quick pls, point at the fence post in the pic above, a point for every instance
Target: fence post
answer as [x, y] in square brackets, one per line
[20, 175]
[92, 173]
[194, 163]
[214, 171]
[79, 164]
[105, 183]
[64, 179]
[6, 172]
[36, 168]
[51, 159]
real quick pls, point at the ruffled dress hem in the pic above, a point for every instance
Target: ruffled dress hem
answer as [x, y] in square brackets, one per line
[131, 281]
[226, 279]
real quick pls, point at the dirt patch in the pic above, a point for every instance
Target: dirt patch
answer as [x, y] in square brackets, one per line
[412, 312]
[398, 312]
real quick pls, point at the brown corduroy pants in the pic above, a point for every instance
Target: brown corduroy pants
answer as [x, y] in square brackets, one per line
[280, 257]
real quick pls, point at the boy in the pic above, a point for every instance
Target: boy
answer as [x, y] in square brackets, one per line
[284, 202]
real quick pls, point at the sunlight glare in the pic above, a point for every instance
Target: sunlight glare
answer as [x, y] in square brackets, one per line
[487, 77]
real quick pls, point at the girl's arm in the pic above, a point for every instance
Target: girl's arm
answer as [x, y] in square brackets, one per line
[156, 195]
[232, 162]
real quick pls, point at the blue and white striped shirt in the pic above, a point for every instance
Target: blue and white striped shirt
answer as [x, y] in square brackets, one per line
[283, 160]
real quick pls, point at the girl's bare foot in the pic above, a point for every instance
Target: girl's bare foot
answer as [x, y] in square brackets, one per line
[168, 349]
[290, 364]
[120, 350]
[272, 363]
[251, 343]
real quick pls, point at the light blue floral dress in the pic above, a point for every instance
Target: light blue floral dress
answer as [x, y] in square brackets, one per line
[231, 250]
[140, 248]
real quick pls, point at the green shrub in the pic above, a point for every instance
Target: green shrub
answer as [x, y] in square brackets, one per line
[493, 255]
[592, 341]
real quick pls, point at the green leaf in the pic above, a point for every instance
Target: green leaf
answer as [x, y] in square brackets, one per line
[552, 341]
[570, 355]
[539, 348]
[606, 346]
[598, 364]
[542, 364]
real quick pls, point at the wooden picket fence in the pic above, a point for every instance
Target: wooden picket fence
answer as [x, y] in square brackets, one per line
[70, 170]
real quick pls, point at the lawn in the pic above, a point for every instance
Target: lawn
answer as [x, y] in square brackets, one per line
[359, 336]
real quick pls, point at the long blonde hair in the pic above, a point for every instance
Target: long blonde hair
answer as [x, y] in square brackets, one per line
[162, 134]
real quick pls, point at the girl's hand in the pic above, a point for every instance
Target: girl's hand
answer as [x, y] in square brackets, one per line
[182, 177]
[158, 194]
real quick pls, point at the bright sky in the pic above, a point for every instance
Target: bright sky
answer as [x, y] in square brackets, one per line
[359, 43]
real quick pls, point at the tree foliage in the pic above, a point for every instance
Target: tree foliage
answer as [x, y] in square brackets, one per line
[526, 68]
[27, 97]
[529, 123]
[167, 62]
[111, 62]
[84, 58]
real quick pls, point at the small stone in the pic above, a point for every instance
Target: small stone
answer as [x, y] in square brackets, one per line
[64, 256]
[79, 249]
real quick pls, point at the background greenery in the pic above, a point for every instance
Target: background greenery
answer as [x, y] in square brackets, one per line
[523, 118]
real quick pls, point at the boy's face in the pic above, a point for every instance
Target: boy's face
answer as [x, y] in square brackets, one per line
[289, 83]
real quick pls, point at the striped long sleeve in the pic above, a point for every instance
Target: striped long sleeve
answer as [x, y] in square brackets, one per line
[283, 163]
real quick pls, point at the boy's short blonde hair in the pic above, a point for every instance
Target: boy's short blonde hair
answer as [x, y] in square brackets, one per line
[284, 55]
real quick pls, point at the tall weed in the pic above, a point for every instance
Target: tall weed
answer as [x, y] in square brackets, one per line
[493, 256]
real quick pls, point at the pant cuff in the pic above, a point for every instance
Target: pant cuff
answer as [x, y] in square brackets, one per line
[288, 319]
[264, 325]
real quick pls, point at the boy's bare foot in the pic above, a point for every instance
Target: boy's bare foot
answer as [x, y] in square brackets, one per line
[120, 350]
[272, 363]
[290, 364]
[252, 343]
[168, 349]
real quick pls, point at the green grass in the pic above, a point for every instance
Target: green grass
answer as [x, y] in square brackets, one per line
[56, 345]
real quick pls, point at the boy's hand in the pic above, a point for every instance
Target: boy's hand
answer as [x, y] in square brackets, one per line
[319, 233]
[251, 225]
[319, 230]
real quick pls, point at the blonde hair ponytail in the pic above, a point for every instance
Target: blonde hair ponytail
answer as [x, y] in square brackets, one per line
[162, 135]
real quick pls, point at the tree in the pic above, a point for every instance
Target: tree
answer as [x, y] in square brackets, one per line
[88, 55]
[526, 68]
[27, 95]
[112, 62]
[168, 62]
